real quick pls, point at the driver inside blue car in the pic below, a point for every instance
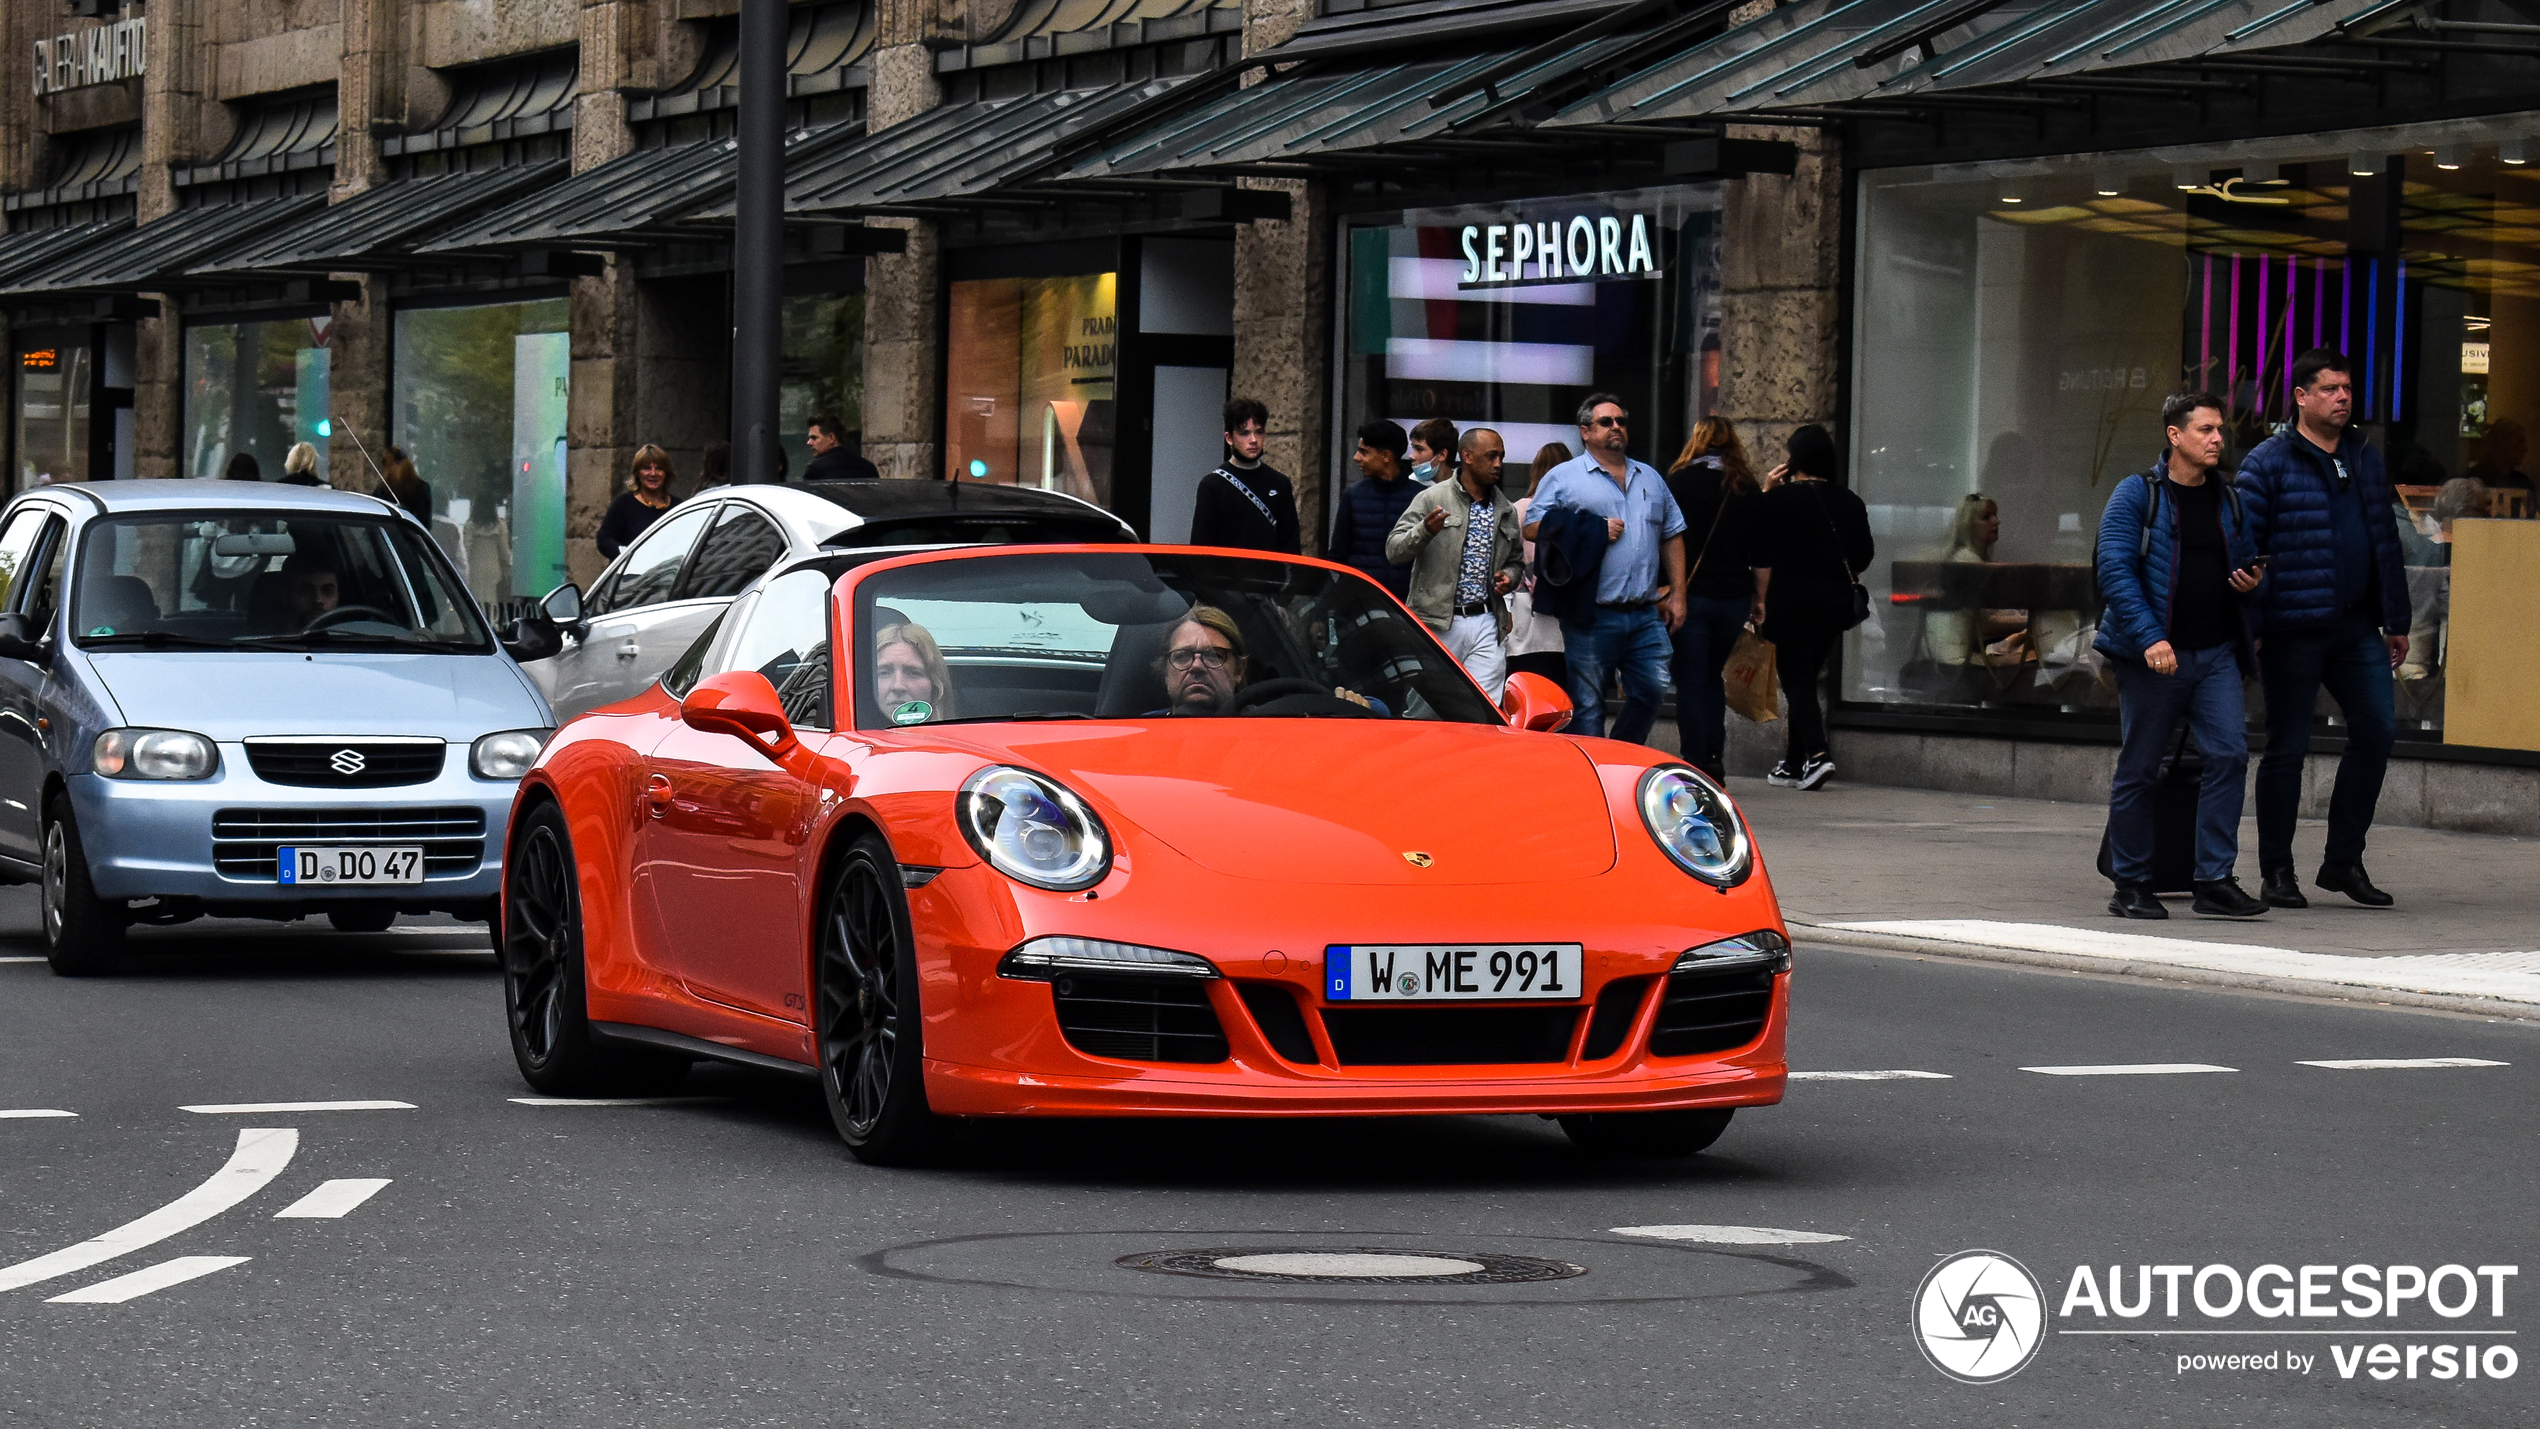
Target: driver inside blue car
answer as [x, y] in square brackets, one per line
[313, 585]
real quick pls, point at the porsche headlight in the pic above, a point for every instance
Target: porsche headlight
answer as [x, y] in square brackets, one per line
[1693, 822]
[1033, 829]
[155, 754]
[507, 755]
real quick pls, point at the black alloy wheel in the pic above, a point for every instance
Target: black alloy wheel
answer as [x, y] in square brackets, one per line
[1647, 1133]
[865, 984]
[83, 934]
[543, 995]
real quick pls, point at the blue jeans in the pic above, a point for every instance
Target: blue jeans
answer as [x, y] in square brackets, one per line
[2353, 664]
[1633, 641]
[1702, 646]
[2206, 689]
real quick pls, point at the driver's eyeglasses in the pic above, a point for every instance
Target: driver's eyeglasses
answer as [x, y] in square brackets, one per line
[1214, 657]
[1610, 422]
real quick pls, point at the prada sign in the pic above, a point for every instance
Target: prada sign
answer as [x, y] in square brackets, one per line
[99, 55]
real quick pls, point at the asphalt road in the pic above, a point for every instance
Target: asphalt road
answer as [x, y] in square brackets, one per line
[722, 1261]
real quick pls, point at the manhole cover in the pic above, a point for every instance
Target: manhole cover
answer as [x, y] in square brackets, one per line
[1295, 1265]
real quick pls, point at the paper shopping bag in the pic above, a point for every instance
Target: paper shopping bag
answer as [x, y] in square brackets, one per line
[1754, 690]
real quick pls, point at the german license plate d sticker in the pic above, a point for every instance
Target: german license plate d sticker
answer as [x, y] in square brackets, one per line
[1433, 972]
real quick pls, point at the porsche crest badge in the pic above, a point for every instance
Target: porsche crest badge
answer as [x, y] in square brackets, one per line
[1417, 859]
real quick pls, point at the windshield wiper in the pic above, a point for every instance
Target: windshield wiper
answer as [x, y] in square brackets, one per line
[155, 640]
[1018, 716]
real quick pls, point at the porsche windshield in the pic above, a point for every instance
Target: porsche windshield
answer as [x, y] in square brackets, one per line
[1129, 636]
[197, 581]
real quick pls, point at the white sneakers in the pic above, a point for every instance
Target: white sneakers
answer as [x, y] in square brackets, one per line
[1816, 771]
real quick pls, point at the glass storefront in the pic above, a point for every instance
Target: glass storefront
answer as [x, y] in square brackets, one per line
[479, 403]
[1506, 315]
[257, 388]
[1030, 371]
[823, 369]
[51, 434]
[2019, 323]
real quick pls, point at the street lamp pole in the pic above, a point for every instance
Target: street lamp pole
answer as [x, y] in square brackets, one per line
[758, 241]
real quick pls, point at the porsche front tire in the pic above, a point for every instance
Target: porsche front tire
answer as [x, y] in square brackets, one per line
[543, 990]
[864, 986]
[83, 934]
[1647, 1133]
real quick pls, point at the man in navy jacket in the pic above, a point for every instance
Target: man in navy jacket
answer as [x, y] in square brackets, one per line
[2334, 615]
[1365, 513]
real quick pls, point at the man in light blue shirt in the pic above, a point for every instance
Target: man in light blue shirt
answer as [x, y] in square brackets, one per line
[1640, 589]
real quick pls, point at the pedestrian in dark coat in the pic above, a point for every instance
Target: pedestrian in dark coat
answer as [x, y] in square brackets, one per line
[242, 467]
[830, 459]
[1717, 491]
[2334, 616]
[1366, 512]
[1814, 540]
[635, 510]
[1246, 503]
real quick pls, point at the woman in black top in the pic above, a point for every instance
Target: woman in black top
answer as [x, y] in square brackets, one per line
[1814, 540]
[641, 504]
[1716, 489]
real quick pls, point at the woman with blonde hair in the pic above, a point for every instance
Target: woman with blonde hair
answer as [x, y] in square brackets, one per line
[300, 466]
[646, 497]
[911, 682]
[1715, 486]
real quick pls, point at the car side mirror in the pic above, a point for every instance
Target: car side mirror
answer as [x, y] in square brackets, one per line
[21, 640]
[529, 640]
[563, 607]
[1533, 702]
[743, 704]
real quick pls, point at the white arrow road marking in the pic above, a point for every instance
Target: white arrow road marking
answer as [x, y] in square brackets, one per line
[331, 1200]
[2132, 1069]
[142, 1282]
[33, 1112]
[263, 1108]
[2394, 1064]
[262, 1153]
[1894, 1076]
[1730, 1235]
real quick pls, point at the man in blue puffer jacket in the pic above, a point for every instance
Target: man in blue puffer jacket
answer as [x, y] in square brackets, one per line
[2175, 554]
[2335, 615]
[1366, 512]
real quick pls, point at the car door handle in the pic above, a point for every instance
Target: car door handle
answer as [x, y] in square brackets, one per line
[629, 650]
[657, 794]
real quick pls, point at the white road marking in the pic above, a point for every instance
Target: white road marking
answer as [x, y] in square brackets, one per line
[21, 960]
[1899, 1075]
[1344, 1265]
[262, 1153]
[2132, 1069]
[261, 1108]
[2394, 1064]
[332, 1199]
[142, 1282]
[32, 1112]
[610, 1101]
[1730, 1235]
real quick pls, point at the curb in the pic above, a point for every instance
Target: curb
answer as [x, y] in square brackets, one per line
[2167, 972]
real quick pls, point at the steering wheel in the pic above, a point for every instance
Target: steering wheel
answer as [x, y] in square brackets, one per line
[1296, 697]
[326, 620]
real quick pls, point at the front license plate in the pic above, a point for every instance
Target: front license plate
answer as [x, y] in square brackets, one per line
[350, 865]
[1432, 972]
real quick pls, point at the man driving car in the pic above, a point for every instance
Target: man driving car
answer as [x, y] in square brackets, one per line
[314, 587]
[1203, 663]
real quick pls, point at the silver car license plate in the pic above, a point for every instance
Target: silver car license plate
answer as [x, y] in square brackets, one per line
[1442, 972]
[337, 866]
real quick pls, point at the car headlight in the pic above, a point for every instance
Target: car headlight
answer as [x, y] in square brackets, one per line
[155, 754]
[1033, 829]
[1764, 948]
[1693, 822]
[507, 755]
[1044, 958]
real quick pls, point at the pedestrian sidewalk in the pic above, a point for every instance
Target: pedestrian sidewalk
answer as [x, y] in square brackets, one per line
[2013, 880]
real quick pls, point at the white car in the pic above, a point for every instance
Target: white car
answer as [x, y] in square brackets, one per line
[664, 589]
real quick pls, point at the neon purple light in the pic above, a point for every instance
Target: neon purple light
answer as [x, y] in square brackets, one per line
[2205, 340]
[2346, 310]
[2258, 344]
[2398, 339]
[2292, 271]
[2372, 329]
[2319, 300]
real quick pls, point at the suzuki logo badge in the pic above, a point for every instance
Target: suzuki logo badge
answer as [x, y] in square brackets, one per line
[347, 762]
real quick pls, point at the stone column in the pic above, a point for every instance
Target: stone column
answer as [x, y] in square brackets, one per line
[1781, 246]
[602, 415]
[370, 92]
[1283, 312]
[177, 122]
[903, 347]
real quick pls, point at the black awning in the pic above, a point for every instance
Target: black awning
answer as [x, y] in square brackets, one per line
[825, 52]
[508, 99]
[274, 138]
[379, 229]
[1053, 29]
[645, 199]
[1400, 30]
[30, 250]
[155, 257]
[87, 165]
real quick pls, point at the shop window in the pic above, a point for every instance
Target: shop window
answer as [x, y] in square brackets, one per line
[1029, 376]
[479, 400]
[54, 382]
[257, 389]
[823, 370]
[2018, 326]
[1506, 315]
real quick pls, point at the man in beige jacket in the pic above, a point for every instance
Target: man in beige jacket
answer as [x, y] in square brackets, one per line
[1460, 539]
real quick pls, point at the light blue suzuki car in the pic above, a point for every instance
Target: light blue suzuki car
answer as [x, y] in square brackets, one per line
[248, 701]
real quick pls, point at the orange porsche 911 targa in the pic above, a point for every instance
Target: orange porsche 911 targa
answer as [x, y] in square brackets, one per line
[1126, 831]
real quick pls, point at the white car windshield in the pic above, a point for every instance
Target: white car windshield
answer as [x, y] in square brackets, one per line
[267, 581]
[1131, 636]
